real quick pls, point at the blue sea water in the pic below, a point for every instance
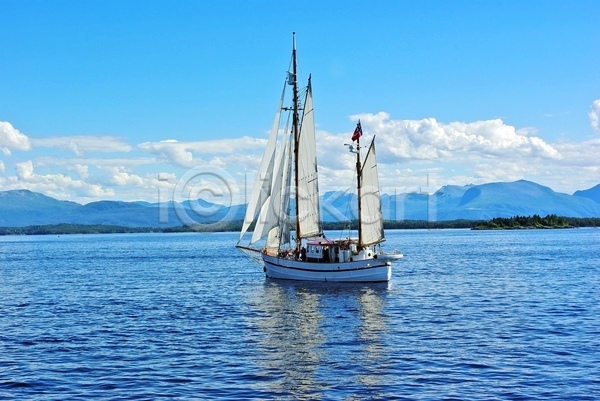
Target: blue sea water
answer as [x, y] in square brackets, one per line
[471, 315]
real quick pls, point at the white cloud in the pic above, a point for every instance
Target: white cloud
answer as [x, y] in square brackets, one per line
[81, 144]
[228, 146]
[24, 170]
[12, 139]
[188, 154]
[116, 176]
[458, 153]
[477, 151]
[595, 115]
[129, 163]
[176, 153]
[58, 185]
[81, 170]
[408, 152]
[429, 139]
[120, 177]
[580, 154]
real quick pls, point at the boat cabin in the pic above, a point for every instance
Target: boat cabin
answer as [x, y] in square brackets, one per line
[338, 251]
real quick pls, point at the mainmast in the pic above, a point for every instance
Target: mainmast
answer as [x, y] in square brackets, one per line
[295, 124]
[358, 184]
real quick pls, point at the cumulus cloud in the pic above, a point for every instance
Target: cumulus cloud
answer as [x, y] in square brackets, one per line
[129, 163]
[24, 170]
[429, 139]
[228, 146]
[474, 148]
[12, 139]
[116, 176]
[172, 151]
[81, 144]
[190, 154]
[458, 153]
[594, 115]
[409, 151]
[81, 170]
[59, 185]
[121, 177]
[580, 154]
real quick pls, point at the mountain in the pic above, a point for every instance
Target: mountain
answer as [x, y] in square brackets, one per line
[21, 208]
[31, 208]
[507, 199]
[473, 202]
[592, 193]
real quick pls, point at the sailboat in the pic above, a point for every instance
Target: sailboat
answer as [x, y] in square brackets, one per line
[285, 200]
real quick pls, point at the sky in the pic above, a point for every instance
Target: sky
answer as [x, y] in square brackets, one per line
[155, 100]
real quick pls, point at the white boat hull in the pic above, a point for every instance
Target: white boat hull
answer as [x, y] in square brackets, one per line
[367, 270]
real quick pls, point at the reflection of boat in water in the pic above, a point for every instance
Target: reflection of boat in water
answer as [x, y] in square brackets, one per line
[306, 334]
[289, 170]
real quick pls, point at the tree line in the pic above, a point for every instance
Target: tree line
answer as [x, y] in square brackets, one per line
[515, 222]
[536, 221]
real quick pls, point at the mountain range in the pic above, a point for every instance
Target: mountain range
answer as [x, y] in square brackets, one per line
[20, 208]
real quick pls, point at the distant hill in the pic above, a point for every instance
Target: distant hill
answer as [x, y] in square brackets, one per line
[24, 206]
[21, 208]
[506, 199]
[592, 193]
[475, 202]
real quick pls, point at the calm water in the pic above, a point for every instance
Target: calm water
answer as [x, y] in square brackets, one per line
[468, 315]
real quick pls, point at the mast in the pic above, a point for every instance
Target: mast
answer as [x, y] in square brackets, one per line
[295, 124]
[358, 185]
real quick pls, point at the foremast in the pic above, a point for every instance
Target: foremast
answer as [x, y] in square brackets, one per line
[359, 181]
[370, 221]
[358, 186]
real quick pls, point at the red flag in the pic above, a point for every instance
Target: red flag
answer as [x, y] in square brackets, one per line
[357, 132]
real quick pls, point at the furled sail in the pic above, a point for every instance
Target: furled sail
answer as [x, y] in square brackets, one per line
[370, 218]
[308, 185]
[264, 177]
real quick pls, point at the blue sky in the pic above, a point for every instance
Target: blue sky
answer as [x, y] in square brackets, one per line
[120, 99]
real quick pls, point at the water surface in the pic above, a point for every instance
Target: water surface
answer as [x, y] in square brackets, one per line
[468, 315]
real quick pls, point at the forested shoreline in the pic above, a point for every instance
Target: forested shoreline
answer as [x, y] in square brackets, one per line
[498, 223]
[536, 222]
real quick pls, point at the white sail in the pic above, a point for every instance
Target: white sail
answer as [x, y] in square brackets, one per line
[263, 222]
[308, 184]
[286, 184]
[370, 217]
[264, 177]
[280, 205]
[271, 211]
[273, 240]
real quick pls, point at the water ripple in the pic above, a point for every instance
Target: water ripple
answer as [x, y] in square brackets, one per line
[468, 315]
